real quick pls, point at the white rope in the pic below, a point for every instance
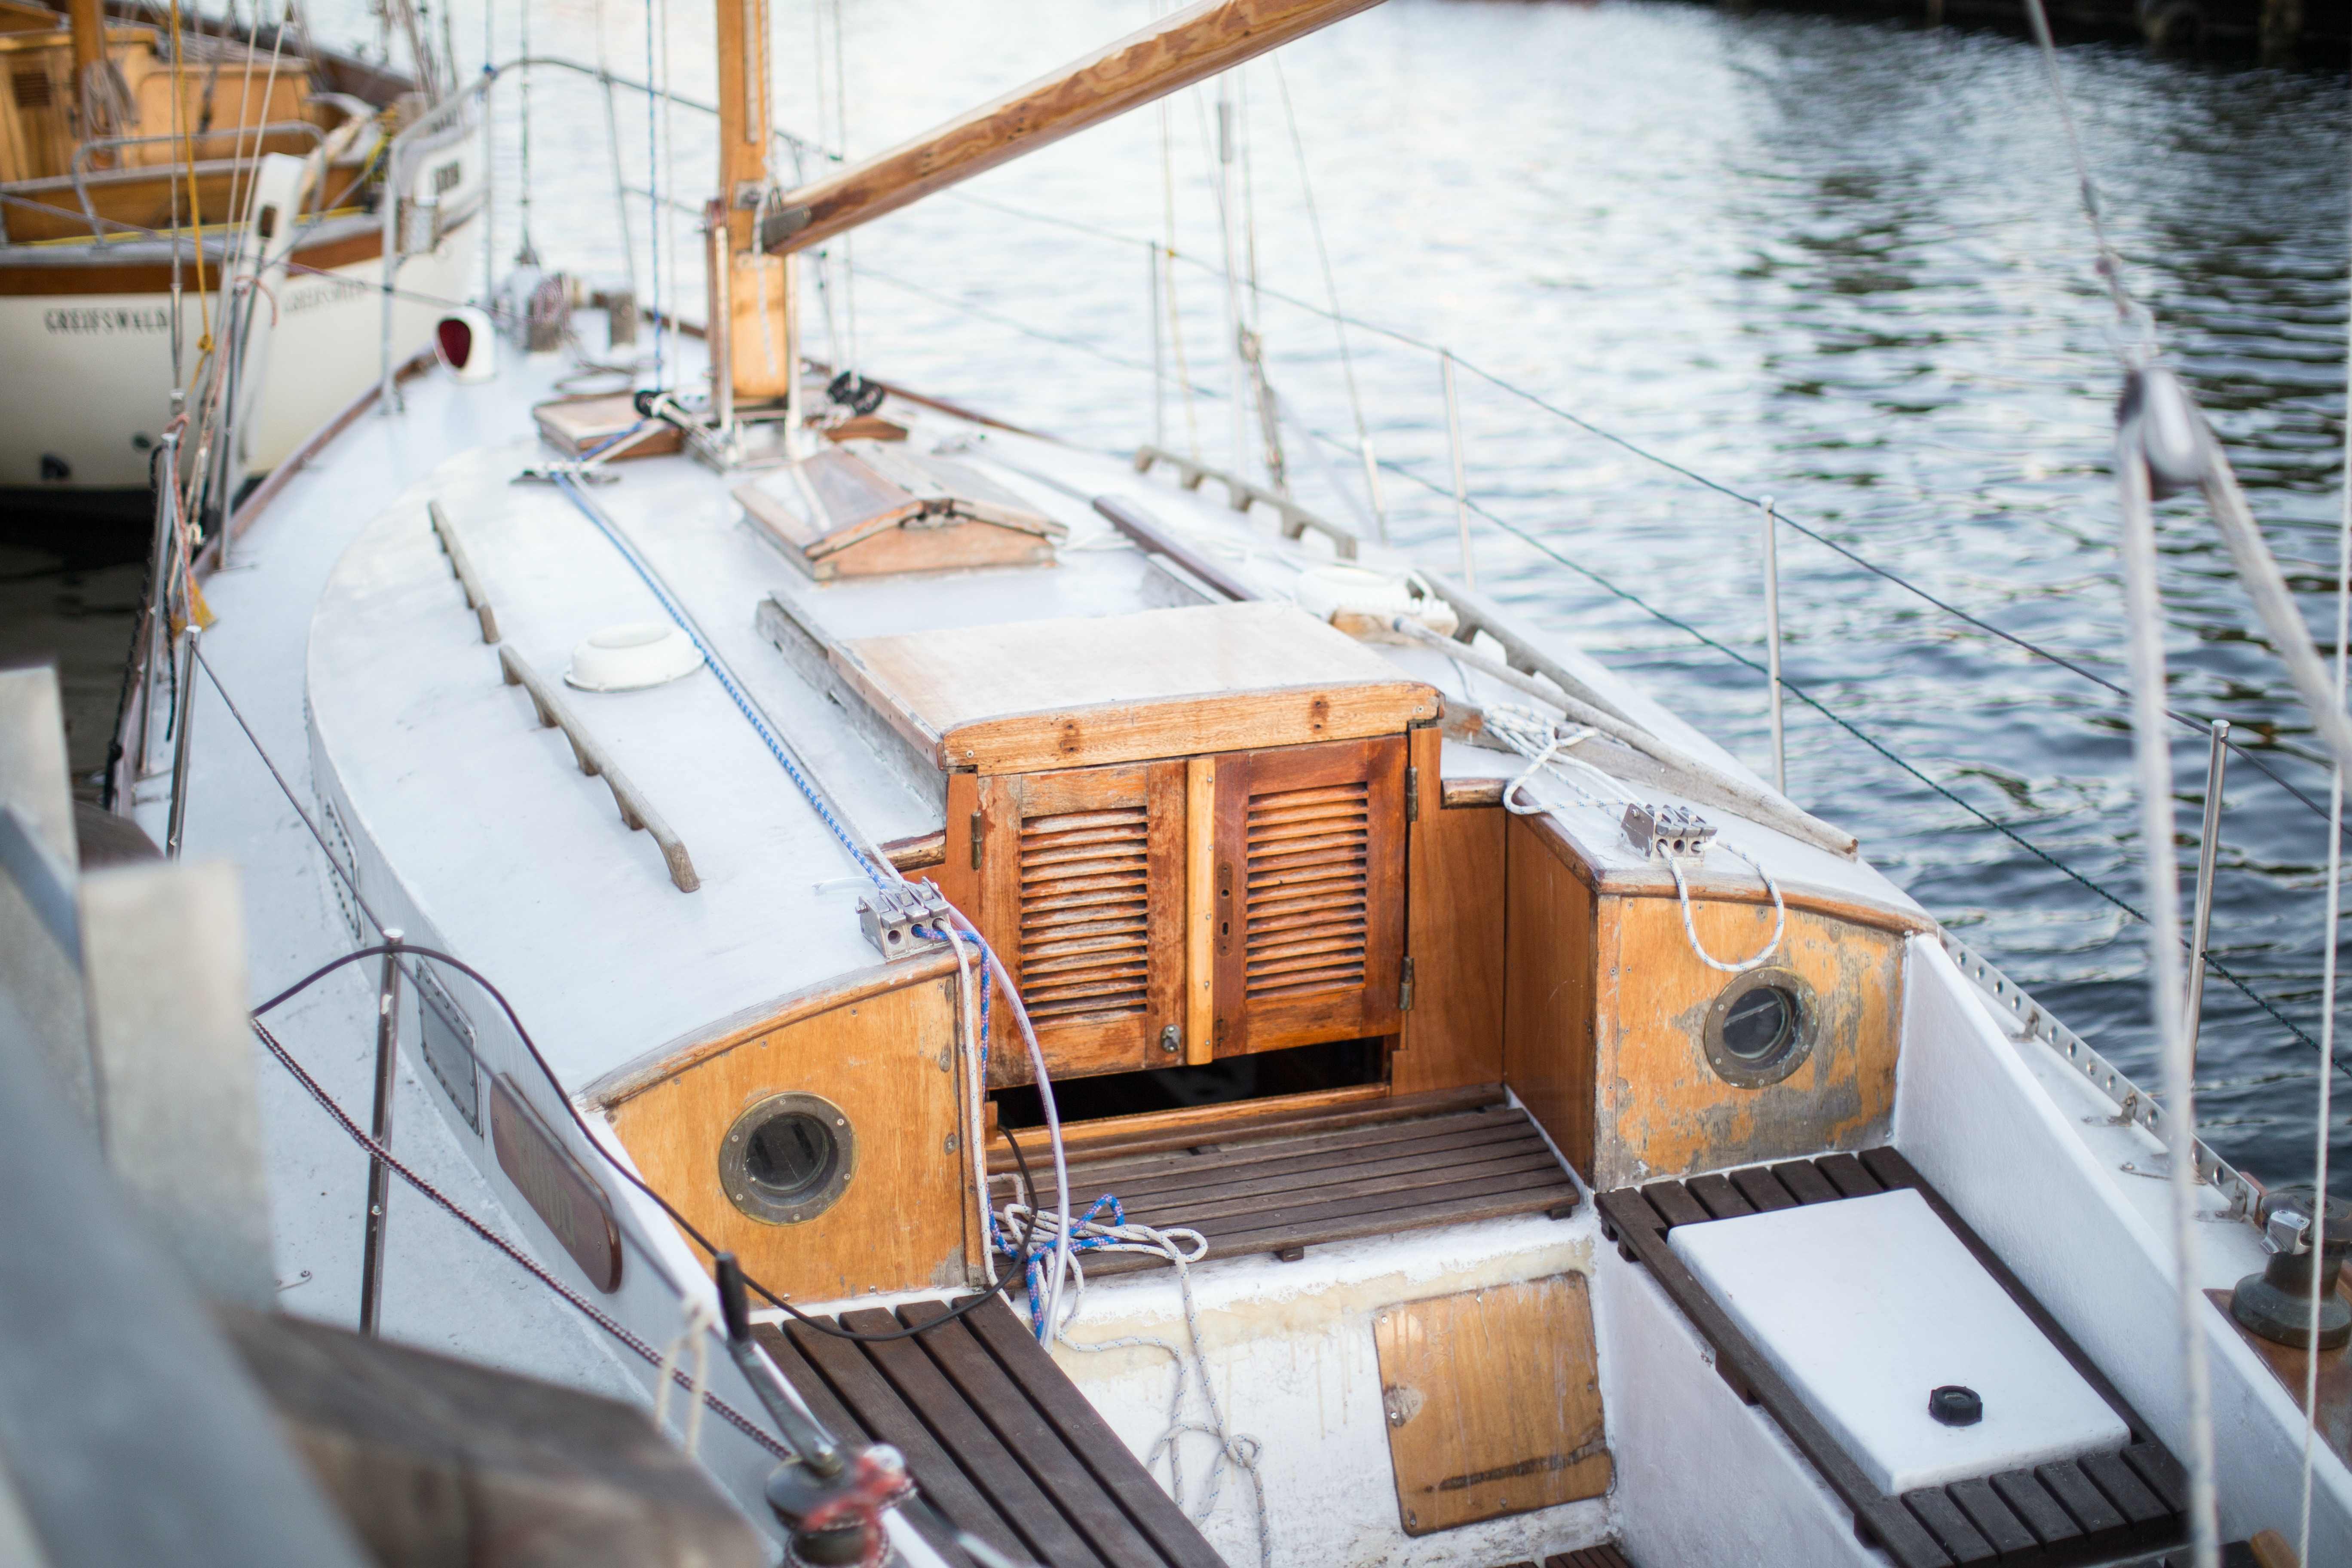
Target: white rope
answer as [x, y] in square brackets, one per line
[1181, 1248]
[1545, 742]
[701, 1319]
[969, 1044]
[2327, 985]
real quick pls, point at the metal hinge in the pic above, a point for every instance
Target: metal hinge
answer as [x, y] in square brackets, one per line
[1404, 989]
[1411, 792]
[975, 841]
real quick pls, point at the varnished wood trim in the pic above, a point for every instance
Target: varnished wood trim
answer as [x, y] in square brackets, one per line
[73, 274]
[1459, 792]
[1161, 1132]
[687, 1052]
[1200, 910]
[1143, 731]
[918, 853]
[1660, 884]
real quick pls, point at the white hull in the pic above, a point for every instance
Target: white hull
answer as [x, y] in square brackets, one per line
[88, 376]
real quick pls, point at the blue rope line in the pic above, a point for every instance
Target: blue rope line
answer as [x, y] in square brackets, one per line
[742, 704]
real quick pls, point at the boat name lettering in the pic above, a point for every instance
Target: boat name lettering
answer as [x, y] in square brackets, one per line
[108, 318]
[323, 291]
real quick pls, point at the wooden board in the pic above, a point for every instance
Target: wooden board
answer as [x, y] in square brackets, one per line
[577, 425]
[1028, 696]
[888, 1061]
[1163, 1132]
[1493, 1401]
[1454, 936]
[1548, 1001]
[1660, 1108]
[1309, 894]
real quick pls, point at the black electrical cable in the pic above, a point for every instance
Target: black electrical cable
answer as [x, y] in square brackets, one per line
[1026, 1257]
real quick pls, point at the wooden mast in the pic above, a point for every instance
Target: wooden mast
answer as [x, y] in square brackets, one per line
[753, 294]
[87, 18]
[1174, 52]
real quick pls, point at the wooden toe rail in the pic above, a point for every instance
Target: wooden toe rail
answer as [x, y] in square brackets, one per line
[996, 1437]
[477, 598]
[2091, 1510]
[1284, 1193]
[554, 714]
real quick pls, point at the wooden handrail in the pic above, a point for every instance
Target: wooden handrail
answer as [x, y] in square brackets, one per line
[1173, 52]
[554, 714]
[477, 598]
[1242, 495]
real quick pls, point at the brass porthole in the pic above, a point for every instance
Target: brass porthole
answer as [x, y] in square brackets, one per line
[788, 1158]
[1761, 1027]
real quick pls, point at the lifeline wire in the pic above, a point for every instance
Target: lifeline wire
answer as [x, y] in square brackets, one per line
[531, 1266]
[1535, 400]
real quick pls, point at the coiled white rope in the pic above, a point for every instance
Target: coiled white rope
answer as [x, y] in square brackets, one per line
[1545, 741]
[1181, 1248]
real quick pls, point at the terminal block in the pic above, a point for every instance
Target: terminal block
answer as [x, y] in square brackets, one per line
[904, 917]
[1669, 833]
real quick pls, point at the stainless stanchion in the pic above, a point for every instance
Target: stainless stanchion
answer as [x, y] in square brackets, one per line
[2217, 759]
[1772, 642]
[184, 721]
[379, 1191]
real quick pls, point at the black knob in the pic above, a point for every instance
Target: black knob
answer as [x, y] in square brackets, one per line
[1955, 1406]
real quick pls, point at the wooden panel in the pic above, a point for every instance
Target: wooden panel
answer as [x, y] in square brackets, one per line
[1454, 935]
[1157, 1132]
[1309, 890]
[1029, 696]
[888, 1062]
[1200, 910]
[1493, 1401]
[1189, 45]
[1081, 892]
[1661, 1109]
[575, 426]
[1549, 1002]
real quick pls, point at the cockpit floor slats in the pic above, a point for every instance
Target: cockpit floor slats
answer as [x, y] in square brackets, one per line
[1278, 1194]
[997, 1440]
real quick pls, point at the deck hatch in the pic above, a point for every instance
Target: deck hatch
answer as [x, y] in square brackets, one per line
[863, 508]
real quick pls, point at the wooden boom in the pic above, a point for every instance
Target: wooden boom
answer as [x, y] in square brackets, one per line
[1174, 52]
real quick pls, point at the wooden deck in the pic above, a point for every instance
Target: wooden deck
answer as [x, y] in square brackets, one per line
[1283, 1192]
[997, 1437]
[2088, 1510]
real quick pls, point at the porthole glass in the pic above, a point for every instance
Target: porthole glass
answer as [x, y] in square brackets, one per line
[790, 1154]
[788, 1158]
[1756, 1025]
[1760, 1027]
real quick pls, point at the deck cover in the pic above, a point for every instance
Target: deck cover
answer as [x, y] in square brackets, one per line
[1025, 695]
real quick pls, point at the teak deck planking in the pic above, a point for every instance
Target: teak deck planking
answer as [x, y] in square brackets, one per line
[1282, 1193]
[2069, 1512]
[996, 1437]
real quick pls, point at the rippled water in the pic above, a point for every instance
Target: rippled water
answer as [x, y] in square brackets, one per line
[1833, 262]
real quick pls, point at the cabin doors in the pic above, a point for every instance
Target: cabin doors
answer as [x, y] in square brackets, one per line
[1159, 913]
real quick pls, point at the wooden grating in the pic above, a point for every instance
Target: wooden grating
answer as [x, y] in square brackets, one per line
[996, 1437]
[1302, 1186]
[1306, 852]
[2083, 1511]
[1084, 912]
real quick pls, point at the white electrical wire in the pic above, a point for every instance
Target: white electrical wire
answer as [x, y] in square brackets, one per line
[1545, 744]
[975, 1115]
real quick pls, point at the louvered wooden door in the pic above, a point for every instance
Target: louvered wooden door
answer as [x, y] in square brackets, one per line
[1081, 892]
[1309, 894]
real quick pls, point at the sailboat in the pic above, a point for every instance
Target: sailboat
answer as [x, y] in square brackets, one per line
[173, 196]
[1143, 1034]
